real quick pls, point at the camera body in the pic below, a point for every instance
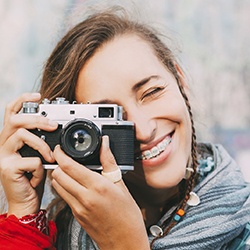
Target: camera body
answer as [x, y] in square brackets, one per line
[79, 132]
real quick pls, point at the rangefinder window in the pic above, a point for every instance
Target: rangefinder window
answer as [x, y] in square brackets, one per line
[106, 112]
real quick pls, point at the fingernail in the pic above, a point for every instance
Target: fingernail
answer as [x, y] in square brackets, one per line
[105, 141]
[57, 146]
[53, 123]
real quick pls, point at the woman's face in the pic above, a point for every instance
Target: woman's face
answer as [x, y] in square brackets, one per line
[125, 71]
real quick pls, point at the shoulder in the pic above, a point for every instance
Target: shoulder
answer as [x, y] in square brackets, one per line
[218, 174]
[214, 158]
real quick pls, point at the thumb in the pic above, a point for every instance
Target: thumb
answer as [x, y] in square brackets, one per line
[106, 157]
[108, 160]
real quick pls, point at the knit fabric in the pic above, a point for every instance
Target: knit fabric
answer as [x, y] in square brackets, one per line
[217, 222]
[222, 214]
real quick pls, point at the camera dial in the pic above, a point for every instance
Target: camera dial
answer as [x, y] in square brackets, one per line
[30, 107]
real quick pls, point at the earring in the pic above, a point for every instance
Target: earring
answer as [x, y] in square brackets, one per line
[189, 169]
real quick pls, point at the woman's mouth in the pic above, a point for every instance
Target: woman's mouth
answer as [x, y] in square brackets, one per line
[156, 150]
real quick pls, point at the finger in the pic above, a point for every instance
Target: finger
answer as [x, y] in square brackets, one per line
[38, 175]
[31, 121]
[10, 170]
[70, 199]
[23, 136]
[15, 106]
[28, 122]
[68, 185]
[107, 158]
[75, 170]
[37, 171]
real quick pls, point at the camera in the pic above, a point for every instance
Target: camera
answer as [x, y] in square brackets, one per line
[80, 130]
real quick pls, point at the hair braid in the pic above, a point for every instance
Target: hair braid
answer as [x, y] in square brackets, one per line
[189, 184]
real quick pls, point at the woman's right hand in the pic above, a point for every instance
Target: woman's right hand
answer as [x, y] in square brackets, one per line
[23, 193]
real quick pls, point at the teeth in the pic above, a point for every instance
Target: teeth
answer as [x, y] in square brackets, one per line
[147, 154]
[155, 151]
[167, 141]
[161, 146]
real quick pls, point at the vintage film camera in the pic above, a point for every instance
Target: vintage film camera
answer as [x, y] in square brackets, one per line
[80, 129]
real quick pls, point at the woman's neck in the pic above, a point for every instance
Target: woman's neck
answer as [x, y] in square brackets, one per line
[153, 201]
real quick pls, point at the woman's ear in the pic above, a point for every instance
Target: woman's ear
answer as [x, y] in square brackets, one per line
[183, 79]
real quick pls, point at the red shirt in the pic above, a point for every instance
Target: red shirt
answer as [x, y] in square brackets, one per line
[15, 235]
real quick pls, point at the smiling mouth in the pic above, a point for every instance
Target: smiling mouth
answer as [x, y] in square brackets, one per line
[156, 150]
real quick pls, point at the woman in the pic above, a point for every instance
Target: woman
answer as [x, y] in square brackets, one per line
[180, 195]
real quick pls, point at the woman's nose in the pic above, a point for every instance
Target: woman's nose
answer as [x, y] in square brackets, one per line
[145, 126]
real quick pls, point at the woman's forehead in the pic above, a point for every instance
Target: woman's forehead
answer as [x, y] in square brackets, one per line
[126, 55]
[123, 61]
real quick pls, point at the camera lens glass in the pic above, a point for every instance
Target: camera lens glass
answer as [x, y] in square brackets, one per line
[81, 139]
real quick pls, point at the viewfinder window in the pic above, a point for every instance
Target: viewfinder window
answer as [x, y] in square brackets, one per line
[107, 112]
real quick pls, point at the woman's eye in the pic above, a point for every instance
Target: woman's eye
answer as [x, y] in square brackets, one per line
[152, 93]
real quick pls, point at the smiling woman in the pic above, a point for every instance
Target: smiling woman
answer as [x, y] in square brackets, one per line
[179, 194]
[134, 78]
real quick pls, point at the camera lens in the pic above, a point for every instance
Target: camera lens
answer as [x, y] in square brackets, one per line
[81, 139]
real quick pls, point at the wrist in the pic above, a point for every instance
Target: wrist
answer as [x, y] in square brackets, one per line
[20, 210]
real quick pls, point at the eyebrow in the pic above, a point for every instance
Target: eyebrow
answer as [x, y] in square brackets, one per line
[142, 82]
[135, 88]
[104, 101]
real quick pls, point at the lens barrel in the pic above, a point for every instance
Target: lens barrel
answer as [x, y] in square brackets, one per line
[81, 139]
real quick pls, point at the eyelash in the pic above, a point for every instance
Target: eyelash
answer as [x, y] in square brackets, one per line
[152, 93]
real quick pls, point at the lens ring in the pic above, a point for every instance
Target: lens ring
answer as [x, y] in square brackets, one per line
[81, 139]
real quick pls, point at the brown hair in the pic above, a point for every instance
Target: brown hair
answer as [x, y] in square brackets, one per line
[81, 42]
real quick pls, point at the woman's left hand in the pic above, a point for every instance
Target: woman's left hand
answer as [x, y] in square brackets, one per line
[105, 210]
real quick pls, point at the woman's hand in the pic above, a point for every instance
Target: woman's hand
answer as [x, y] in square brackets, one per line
[23, 178]
[106, 210]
